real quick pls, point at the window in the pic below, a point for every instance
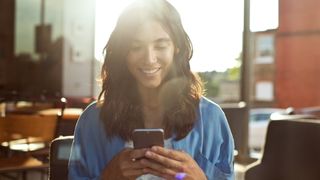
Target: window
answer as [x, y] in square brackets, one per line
[264, 91]
[264, 49]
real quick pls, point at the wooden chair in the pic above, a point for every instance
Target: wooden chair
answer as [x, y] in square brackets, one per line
[291, 152]
[59, 157]
[21, 133]
[19, 126]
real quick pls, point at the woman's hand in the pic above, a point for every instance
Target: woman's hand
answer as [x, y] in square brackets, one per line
[167, 163]
[125, 165]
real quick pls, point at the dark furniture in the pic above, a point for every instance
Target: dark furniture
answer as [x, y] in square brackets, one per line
[291, 152]
[59, 157]
[235, 114]
[16, 167]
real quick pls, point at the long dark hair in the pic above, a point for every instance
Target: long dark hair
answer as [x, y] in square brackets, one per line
[121, 109]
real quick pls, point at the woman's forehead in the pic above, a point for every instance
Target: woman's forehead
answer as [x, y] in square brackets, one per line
[151, 31]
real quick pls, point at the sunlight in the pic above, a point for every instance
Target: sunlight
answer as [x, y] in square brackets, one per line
[107, 12]
[214, 27]
[264, 14]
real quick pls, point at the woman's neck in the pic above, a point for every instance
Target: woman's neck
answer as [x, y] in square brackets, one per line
[149, 97]
[151, 108]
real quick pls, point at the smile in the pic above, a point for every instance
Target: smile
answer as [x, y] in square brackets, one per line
[150, 71]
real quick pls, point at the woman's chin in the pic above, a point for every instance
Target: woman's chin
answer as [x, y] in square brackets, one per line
[150, 85]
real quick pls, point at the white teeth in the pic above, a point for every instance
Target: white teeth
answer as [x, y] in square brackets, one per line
[150, 71]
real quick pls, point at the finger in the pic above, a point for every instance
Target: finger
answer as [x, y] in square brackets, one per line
[124, 158]
[170, 153]
[156, 173]
[125, 153]
[158, 167]
[137, 154]
[129, 164]
[133, 172]
[165, 161]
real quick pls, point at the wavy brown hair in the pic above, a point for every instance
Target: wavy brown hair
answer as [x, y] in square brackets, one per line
[121, 108]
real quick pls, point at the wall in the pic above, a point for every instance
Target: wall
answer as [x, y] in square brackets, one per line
[298, 54]
[263, 65]
[78, 64]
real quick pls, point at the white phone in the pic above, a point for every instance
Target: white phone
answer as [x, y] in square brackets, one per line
[146, 138]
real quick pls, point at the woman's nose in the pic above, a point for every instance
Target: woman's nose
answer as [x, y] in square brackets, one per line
[150, 56]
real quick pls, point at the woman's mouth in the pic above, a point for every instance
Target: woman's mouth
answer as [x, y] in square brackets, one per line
[150, 71]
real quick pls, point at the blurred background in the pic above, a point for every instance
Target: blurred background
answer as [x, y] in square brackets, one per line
[259, 59]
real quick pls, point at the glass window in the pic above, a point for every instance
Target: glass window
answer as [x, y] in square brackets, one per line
[265, 49]
[32, 34]
[264, 91]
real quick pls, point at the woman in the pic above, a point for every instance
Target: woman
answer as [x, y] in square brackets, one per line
[147, 83]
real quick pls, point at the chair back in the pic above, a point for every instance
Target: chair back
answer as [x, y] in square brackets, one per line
[59, 157]
[19, 126]
[291, 151]
[235, 114]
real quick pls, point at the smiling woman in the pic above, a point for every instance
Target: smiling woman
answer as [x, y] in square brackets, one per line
[147, 84]
[150, 55]
[206, 40]
[225, 41]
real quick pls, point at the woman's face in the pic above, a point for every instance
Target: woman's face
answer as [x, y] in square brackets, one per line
[151, 55]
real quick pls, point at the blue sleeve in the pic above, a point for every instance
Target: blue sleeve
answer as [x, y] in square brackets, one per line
[78, 162]
[225, 164]
[216, 157]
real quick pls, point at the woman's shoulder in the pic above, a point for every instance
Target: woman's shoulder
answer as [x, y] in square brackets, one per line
[211, 113]
[90, 114]
[207, 105]
[93, 107]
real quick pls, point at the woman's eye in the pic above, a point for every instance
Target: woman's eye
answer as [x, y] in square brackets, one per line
[160, 47]
[135, 48]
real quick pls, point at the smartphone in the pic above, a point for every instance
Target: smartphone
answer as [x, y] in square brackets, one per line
[146, 138]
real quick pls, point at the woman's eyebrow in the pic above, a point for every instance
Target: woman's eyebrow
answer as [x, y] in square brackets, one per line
[160, 40]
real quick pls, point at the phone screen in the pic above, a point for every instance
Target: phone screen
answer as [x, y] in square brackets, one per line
[146, 138]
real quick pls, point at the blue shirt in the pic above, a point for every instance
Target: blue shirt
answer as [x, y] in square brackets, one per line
[210, 143]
